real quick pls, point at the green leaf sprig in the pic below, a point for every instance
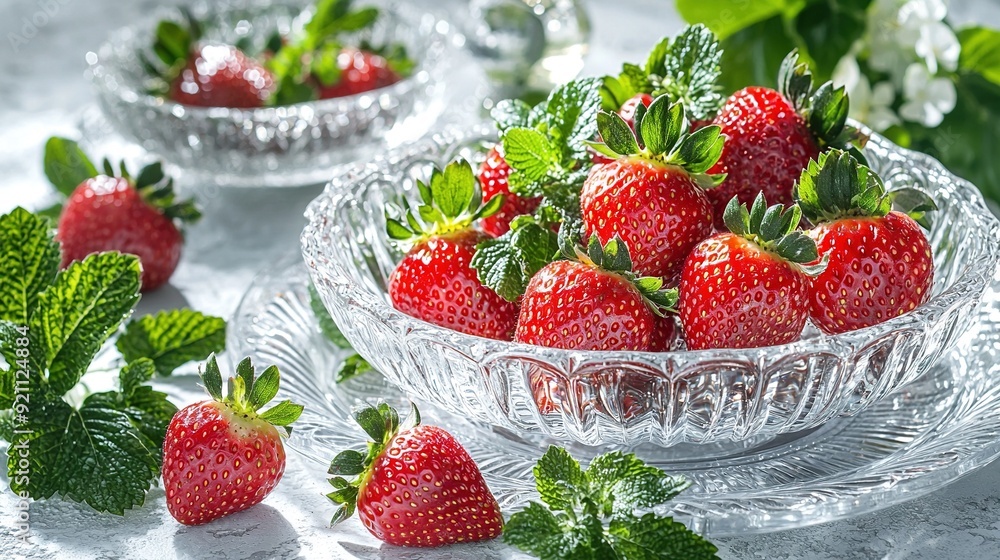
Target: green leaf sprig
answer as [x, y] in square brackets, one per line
[306, 63]
[107, 451]
[686, 69]
[592, 513]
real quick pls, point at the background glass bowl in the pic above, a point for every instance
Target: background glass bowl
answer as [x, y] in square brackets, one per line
[272, 146]
[638, 397]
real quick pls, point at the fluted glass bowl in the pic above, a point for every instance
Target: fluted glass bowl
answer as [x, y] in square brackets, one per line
[638, 397]
[272, 146]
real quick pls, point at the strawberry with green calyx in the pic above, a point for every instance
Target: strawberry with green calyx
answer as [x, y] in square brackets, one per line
[414, 485]
[193, 72]
[772, 135]
[114, 211]
[880, 262]
[749, 287]
[225, 455]
[435, 281]
[593, 513]
[319, 65]
[594, 302]
[686, 69]
[653, 193]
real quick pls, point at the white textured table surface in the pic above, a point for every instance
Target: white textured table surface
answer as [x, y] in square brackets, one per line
[42, 91]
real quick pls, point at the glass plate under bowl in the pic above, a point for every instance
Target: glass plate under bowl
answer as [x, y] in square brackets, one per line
[638, 397]
[918, 439]
[274, 146]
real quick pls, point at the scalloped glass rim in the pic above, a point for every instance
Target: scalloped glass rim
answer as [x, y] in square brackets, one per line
[954, 301]
[129, 94]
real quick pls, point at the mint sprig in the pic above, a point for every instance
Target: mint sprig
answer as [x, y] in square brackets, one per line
[545, 146]
[507, 263]
[686, 69]
[592, 513]
[106, 451]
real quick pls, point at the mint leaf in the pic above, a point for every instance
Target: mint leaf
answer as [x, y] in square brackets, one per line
[77, 314]
[658, 538]
[29, 259]
[591, 513]
[537, 531]
[559, 479]
[572, 109]
[66, 166]
[149, 411]
[511, 113]
[507, 263]
[530, 153]
[172, 338]
[93, 455]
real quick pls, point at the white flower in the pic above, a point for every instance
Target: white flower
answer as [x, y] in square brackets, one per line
[917, 13]
[872, 106]
[938, 45]
[928, 99]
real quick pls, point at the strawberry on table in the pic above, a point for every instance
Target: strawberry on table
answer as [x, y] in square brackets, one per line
[880, 263]
[593, 303]
[653, 193]
[750, 287]
[107, 212]
[435, 281]
[772, 135]
[414, 485]
[225, 455]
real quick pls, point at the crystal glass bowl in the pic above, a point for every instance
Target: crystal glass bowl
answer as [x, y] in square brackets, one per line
[637, 397]
[272, 146]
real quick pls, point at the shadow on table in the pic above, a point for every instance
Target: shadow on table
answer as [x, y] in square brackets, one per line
[260, 524]
[481, 551]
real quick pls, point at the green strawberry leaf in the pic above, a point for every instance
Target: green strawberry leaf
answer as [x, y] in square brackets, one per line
[837, 186]
[572, 109]
[29, 258]
[82, 308]
[172, 338]
[773, 228]
[66, 166]
[264, 388]
[453, 189]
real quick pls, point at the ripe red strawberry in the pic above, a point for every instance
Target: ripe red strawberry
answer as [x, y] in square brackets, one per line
[217, 75]
[138, 216]
[415, 485]
[653, 194]
[628, 109]
[772, 136]
[748, 288]
[493, 180]
[664, 335]
[880, 263]
[360, 71]
[222, 456]
[435, 281]
[596, 303]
